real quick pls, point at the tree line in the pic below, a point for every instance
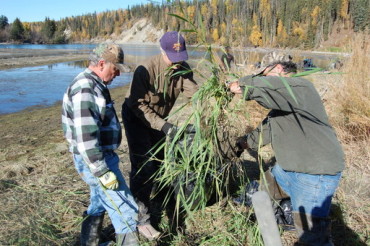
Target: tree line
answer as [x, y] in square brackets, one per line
[274, 23]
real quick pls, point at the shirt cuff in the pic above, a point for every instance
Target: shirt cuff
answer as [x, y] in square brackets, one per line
[98, 168]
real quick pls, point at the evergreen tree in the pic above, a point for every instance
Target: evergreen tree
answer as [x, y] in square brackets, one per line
[282, 23]
[48, 29]
[17, 30]
[361, 14]
[3, 22]
[59, 36]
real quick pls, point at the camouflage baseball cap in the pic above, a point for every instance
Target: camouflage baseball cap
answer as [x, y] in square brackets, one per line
[273, 58]
[112, 53]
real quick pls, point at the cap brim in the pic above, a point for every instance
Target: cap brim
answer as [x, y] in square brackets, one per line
[177, 56]
[260, 70]
[123, 68]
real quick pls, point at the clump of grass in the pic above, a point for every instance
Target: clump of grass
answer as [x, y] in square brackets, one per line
[202, 169]
[224, 225]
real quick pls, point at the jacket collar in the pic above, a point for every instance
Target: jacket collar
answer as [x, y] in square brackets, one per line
[95, 76]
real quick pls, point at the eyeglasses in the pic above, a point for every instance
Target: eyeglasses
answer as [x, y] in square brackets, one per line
[177, 63]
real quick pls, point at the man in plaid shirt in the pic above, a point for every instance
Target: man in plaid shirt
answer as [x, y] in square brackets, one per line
[91, 127]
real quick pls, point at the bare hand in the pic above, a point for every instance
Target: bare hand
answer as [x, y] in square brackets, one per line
[235, 88]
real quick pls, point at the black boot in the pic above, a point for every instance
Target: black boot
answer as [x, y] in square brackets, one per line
[284, 215]
[127, 239]
[90, 229]
[312, 231]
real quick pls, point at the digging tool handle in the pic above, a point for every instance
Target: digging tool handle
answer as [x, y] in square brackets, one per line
[266, 219]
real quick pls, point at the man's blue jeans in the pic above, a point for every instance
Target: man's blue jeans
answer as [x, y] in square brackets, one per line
[119, 203]
[309, 194]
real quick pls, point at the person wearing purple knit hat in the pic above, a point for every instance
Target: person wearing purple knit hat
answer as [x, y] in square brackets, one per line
[155, 86]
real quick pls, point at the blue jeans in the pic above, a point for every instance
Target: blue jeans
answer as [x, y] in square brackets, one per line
[119, 203]
[310, 194]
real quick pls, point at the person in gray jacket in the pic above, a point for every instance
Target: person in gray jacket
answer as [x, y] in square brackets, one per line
[309, 157]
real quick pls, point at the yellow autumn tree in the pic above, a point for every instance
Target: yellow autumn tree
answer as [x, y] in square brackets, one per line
[204, 9]
[234, 28]
[85, 35]
[229, 6]
[223, 40]
[204, 12]
[281, 35]
[215, 35]
[299, 31]
[256, 36]
[315, 15]
[223, 27]
[265, 8]
[191, 12]
[175, 21]
[344, 10]
[255, 19]
[304, 11]
[27, 26]
[214, 7]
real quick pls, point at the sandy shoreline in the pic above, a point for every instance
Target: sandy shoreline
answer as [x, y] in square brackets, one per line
[16, 58]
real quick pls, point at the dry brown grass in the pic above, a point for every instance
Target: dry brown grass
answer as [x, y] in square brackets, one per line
[349, 112]
[352, 97]
[43, 197]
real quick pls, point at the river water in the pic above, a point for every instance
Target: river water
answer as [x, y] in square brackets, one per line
[41, 86]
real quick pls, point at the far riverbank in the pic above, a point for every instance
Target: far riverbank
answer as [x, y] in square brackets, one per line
[16, 58]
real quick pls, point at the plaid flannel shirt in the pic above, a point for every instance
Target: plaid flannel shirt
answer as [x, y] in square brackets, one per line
[89, 120]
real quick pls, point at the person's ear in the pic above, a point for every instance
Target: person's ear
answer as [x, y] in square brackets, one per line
[101, 65]
[279, 68]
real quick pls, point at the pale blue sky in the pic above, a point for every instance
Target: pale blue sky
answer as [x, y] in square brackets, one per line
[37, 10]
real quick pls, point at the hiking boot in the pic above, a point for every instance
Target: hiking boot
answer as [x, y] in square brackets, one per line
[148, 231]
[127, 239]
[90, 229]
